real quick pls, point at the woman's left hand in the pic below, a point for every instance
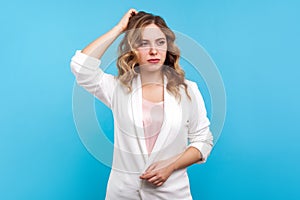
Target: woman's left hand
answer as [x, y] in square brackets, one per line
[158, 173]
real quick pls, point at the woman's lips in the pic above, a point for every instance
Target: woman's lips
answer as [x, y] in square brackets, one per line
[153, 60]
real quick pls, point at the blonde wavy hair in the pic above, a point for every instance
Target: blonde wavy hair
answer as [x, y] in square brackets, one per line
[127, 63]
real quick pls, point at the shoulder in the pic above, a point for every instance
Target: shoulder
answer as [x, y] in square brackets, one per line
[192, 85]
[189, 82]
[193, 90]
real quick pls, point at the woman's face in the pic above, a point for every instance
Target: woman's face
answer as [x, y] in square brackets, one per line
[152, 49]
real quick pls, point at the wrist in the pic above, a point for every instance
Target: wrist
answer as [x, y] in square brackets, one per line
[117, 29]
[173, 167]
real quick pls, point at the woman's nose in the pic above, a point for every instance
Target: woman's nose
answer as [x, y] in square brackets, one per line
[153, 51]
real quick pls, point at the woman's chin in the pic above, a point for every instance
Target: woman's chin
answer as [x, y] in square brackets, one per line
[151, 67]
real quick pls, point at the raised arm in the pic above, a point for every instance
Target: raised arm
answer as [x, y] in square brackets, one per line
[85, 64]
[97, 48]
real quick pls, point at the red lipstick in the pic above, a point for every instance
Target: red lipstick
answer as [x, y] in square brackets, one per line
[153, 60]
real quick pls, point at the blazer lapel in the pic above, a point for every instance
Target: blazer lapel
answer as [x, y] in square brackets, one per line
[137, 115]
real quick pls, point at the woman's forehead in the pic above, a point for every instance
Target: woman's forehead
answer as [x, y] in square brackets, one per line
[152, 32]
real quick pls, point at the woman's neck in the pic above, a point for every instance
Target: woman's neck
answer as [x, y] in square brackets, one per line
[152, 77]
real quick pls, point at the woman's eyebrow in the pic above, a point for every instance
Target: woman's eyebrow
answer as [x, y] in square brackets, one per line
[155, 39]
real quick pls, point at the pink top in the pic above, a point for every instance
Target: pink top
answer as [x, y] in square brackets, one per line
[153, 114]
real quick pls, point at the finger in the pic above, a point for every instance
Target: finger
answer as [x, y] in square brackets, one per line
[156, 182]
[148, 176]
[159, 184]
[132, 12]
[153, 179]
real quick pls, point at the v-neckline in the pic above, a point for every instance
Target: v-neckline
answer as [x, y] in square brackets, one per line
[153, 104]
[159, 137]
[170, 125]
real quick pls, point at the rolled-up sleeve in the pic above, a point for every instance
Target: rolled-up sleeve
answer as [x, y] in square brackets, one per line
[199, 134]
[91, 77]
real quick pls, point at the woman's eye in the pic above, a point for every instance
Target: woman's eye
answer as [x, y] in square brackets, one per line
[161, 42]
[143, 43]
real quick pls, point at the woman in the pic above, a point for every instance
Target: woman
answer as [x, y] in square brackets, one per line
[160, 122]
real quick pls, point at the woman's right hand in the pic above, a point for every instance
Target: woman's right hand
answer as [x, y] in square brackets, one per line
[122, 25]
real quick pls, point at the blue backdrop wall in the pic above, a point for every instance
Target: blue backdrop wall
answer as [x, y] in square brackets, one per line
[255, 45]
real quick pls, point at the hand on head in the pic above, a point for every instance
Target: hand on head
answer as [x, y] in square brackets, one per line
[125, 19]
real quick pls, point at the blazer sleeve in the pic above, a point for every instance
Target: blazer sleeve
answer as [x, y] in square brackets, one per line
[92, 78]
[199, 134]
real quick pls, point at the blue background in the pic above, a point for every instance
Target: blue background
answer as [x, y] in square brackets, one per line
[255, 45]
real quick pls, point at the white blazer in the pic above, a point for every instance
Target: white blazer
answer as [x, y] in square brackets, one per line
[185, 124]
